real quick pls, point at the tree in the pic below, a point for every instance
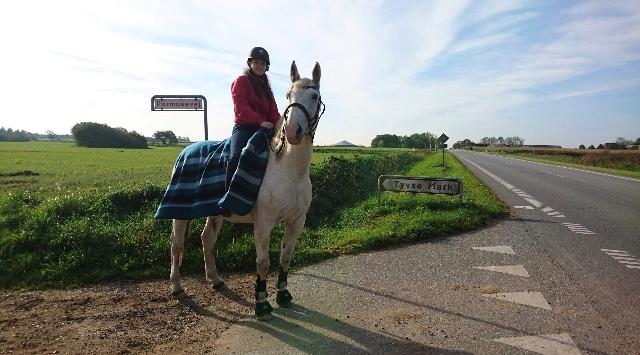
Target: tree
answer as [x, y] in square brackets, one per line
[592, 147]
[581, 146]
[623, 142]
[600, 146]
[50, 135]
[96, 135]
[637, 141]
[166, 137]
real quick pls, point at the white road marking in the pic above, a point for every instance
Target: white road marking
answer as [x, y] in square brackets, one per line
[517, 270]
[576, 169]
[629, 262]
[494, 177]
[524, 207]
[527, 298]
[544, 344]
[625, 258]
[519, 192]
[578, 229]
[554, 213]
[504, 249]
[534, 202]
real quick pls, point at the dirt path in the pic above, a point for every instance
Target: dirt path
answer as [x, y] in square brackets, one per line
[123, 318]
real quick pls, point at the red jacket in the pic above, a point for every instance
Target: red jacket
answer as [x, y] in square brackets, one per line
[249, 108]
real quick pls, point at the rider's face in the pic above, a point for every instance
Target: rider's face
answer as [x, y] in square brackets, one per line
[258, 66]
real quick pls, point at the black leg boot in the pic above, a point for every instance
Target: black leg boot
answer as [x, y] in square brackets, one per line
[263, 308]
[283, 297]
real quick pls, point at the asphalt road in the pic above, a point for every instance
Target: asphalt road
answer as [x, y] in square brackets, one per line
[560, 276]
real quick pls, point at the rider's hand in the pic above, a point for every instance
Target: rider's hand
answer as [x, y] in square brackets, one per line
[267, 125]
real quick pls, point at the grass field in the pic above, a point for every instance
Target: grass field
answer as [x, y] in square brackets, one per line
[86, 215]
[49, 168]
[616, 162]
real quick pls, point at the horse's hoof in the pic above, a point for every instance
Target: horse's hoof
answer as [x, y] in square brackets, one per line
[217, 285]
[283, 299]
[179, 295]
[263, 311]
[265, 317]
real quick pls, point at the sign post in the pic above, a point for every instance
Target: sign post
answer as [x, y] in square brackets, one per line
[419, 184]
[182, 103]
[442, 140]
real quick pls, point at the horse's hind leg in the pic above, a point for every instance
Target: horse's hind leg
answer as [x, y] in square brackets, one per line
[178, 233]
[291, 233]
[209, 236]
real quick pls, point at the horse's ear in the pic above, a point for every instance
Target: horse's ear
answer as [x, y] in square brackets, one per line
[316, 74]
[294, 72]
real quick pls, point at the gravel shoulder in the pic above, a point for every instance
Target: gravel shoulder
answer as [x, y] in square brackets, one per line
[123, 318]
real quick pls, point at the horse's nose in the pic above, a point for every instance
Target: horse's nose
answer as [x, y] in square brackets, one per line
[292, 133]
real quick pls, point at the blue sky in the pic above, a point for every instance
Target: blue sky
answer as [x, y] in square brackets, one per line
[552, 72]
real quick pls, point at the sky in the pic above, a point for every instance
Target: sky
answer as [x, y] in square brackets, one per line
[552, 72]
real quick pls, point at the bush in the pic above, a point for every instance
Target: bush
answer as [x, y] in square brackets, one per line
[94, 235]
[96, 135]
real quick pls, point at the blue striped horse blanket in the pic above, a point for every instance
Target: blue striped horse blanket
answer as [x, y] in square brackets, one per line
[197, 187]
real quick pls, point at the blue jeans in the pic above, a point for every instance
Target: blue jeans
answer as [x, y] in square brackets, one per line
[239, 138]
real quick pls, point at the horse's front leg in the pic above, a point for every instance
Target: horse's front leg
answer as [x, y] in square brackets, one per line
[262, 232]
[209, 237]
[291, 233]
[178, 233]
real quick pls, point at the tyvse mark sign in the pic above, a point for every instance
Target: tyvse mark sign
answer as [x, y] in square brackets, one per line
[420, 184]
[434, 186]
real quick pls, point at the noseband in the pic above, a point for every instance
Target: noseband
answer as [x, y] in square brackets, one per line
[312, 122]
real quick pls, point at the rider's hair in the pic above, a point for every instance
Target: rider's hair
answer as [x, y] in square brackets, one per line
[261, 84]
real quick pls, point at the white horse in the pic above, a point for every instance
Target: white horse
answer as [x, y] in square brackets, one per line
[284, 196]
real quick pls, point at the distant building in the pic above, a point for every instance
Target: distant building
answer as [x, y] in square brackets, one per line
[343, 144]
[614, 146]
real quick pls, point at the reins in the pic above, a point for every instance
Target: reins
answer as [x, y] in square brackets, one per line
[312, 123]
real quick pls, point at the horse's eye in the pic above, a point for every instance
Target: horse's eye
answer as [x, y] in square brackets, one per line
[288, 95]
[314, 96]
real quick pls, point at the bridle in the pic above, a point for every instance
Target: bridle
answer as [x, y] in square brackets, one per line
[312, 122]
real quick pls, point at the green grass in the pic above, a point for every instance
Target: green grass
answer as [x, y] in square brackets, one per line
[569, 161]
[88, 214]
[58, 167]
[369, 225]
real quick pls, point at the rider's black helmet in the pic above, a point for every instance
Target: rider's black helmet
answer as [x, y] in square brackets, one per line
[259, 53]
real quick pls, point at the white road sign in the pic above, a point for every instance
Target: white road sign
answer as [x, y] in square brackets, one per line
[188, 104]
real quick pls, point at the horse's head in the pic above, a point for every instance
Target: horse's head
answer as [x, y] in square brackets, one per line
[303, 113]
